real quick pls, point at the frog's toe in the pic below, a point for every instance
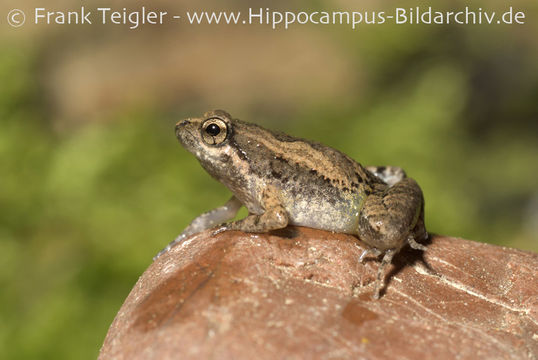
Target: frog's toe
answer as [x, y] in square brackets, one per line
[414, 244]
[221, 228]
[366, 252]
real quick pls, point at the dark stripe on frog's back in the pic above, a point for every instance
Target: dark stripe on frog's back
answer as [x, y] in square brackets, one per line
[289, 159]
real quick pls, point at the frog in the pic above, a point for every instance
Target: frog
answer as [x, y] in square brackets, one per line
[283, 180]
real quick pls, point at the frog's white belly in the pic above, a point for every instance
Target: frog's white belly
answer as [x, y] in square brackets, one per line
[339, 218]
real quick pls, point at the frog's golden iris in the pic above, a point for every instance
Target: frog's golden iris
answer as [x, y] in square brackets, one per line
[214, 131]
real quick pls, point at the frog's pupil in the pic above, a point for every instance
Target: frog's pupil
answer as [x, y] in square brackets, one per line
[212, 129]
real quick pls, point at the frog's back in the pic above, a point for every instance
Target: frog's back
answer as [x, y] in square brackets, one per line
[319, 186]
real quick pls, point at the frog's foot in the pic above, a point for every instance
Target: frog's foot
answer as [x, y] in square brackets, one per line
[387, 259]
[415, 245]
[374, 251]
[221, 228]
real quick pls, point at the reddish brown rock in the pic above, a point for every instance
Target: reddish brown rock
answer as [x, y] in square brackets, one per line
[301, 294]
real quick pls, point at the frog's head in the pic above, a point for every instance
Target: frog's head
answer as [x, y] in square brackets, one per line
[209, 139]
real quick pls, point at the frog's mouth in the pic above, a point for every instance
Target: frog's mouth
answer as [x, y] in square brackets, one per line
[186, 138]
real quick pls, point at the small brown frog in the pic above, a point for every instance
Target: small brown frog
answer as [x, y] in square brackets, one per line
[283, 180]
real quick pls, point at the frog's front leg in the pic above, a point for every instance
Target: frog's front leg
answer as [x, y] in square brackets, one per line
[206, 221]
[274, 217]
[389, 220]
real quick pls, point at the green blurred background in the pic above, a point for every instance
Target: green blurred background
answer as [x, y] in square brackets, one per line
[93, 182]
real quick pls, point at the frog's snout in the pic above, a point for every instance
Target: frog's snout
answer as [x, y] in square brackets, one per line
[182, 123]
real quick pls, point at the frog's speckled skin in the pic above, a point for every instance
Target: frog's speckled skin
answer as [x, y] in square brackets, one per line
[283, 180]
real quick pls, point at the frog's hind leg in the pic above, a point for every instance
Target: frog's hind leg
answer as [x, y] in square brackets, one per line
[390, 219]
[419, 233]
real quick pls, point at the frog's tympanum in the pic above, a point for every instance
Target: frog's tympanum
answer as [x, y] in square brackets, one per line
[283, 180]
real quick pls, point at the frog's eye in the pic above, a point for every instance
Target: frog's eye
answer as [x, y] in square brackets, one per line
[214, 131]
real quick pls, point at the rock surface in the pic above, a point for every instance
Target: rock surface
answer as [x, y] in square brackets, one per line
[301, 294]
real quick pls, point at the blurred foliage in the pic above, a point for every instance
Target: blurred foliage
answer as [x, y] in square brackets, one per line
[84, 207]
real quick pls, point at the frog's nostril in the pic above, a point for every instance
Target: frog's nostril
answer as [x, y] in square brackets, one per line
[182, 123]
